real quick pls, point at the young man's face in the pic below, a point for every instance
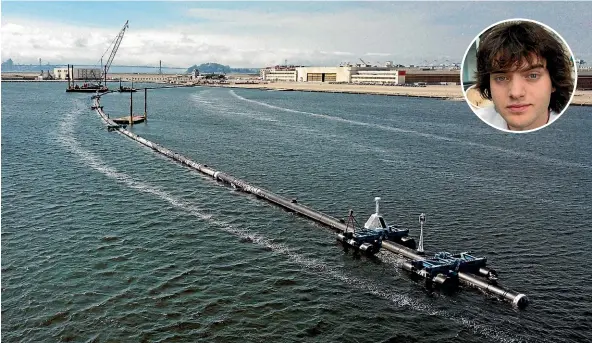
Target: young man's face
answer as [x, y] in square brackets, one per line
[522, 95]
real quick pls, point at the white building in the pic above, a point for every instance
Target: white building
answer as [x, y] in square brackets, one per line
[279, 73]
[345, 74]
[323, 74]
[391, 76]
[157, 78]
[78, 73]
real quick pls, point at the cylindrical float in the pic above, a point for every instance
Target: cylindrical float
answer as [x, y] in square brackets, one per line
[517, 299]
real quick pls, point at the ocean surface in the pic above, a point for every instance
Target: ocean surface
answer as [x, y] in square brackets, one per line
[103, 240]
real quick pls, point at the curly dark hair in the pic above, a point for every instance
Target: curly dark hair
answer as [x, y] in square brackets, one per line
[508, 44]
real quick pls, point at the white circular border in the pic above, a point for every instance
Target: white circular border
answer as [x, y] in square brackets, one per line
[575, 72]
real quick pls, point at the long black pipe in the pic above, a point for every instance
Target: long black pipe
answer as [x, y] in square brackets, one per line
[517, 299]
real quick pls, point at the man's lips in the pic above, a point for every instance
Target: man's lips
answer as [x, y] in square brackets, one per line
[518, 108]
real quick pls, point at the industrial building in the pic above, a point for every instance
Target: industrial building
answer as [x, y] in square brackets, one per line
[279, 73]
[584, 79]
[341, 74]
[157, 78]
[390, 76]
[78, 73]
[433, 76]
[95, 74]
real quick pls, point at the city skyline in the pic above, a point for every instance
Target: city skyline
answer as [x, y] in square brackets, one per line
[251, 35]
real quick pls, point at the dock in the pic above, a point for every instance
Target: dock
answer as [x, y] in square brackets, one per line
[127, 120]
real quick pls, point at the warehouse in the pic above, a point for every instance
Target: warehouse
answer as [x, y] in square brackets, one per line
[78, 73]
[584, 79]
[279, 73]
[341, 74]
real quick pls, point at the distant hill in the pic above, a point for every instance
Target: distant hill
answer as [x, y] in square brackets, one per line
[215, 68]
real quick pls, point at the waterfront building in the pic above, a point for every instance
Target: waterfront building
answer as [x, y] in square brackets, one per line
[78, 73]
[279, 73]
[361, 74]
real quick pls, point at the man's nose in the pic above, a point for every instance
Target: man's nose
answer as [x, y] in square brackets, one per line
[517, 87]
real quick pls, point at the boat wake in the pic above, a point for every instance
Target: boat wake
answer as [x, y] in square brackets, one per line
[521, 154]
[67, 136]
[221, 108]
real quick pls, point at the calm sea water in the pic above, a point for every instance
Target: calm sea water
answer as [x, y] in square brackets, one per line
[104, 240]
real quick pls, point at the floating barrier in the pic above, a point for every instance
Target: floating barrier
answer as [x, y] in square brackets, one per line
[443, 270]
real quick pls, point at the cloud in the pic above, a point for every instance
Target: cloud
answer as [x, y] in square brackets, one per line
[80, 42]
[381, 54]
[399, 32]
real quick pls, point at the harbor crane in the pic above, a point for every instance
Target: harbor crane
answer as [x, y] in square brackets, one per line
[365, 63]
[115, 44]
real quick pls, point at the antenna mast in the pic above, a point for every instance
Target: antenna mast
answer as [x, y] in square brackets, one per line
[422, 220]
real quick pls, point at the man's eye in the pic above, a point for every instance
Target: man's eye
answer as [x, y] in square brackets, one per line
[500, 78]
[533, 76]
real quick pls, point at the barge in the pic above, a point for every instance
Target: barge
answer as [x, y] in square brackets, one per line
[125, 89]
[87, 88]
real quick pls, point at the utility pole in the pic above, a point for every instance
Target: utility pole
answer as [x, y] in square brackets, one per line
[160, 68]
[131, 121]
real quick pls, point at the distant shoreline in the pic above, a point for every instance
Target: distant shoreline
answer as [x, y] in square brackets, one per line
[448, 92]
[442, 92]
[430, 91]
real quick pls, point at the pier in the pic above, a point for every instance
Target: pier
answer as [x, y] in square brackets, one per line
[135, 119]
[132, 118]
[517, 299]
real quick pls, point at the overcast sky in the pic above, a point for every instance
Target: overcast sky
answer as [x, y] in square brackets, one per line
[257, 34]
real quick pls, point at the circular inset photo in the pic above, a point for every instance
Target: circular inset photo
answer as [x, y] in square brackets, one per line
[518, 75]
